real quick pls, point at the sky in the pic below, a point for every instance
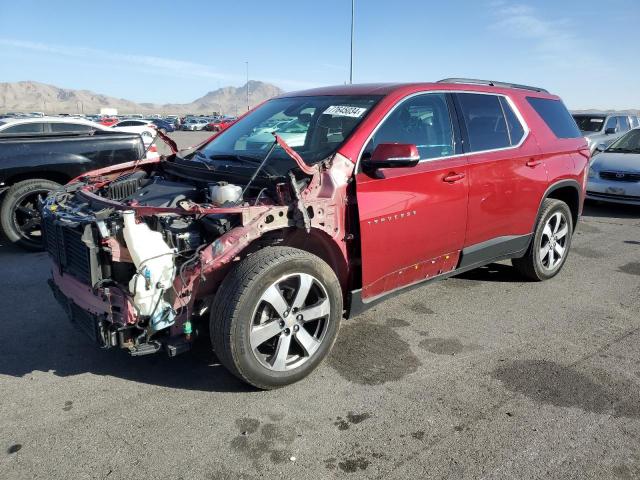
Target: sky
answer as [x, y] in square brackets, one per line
[176, 51]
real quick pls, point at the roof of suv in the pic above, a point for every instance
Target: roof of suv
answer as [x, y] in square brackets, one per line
[449, 84]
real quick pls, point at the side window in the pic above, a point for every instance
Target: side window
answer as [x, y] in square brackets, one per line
[25, 128]
[69, 128]
[612, 122]
[623, 122]
[556, 116]
[125, 124]
[516, 131]
[424, 121]
[485, 121]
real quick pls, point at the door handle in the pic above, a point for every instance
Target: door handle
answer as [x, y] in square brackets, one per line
[453, 177]
[533, 163]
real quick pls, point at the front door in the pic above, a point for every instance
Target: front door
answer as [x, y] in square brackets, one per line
[413, 219]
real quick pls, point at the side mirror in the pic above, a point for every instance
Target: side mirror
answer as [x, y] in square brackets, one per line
[611, 131]
[601, 147]
[393, 155]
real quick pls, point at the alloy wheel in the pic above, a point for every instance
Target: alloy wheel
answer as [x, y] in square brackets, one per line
[26, 216]
[290, 322]
[553, 244]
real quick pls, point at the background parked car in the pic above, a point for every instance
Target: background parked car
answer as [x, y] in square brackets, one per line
[602, 128]
[108, 121]
[163, 125]
[219, 125]
[195, 124]
[614, 175]
[174, 120]
[10, 127]
[145, 128]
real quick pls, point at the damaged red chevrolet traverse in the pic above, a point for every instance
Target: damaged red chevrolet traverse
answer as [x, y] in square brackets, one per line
[311, 208]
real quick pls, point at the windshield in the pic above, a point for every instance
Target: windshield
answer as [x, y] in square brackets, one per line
[589, 123]
[313, 126]
[629, 143]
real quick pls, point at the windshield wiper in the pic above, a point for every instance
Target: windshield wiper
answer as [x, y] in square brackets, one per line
[202, 159]
[234, 156]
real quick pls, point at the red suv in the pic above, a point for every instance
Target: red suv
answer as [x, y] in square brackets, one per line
[265, 242]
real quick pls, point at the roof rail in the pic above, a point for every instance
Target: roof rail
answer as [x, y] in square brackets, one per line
[473, 81]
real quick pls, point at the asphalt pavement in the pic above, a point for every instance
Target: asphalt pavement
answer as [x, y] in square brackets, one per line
[479, 376]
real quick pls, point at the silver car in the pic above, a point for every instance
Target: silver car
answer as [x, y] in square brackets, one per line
[614, 175]
[194, 124]
[602, 128]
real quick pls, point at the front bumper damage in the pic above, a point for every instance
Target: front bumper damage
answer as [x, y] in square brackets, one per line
[86, 257]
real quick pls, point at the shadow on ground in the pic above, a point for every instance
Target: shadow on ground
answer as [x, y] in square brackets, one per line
[36, 336]
[494, 272]
[610, 210]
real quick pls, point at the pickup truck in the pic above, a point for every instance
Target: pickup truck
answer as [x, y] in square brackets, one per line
[32, 165]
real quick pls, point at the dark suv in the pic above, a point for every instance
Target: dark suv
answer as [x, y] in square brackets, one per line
[268, 245]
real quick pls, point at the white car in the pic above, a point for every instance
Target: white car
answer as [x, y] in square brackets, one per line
[47, 125]
[145, 128]
[59, 126]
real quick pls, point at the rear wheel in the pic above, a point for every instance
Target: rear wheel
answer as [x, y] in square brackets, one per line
[19, 214]
[276, 316]
[550, 244]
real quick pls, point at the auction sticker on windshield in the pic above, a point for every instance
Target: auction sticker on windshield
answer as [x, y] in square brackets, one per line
[345, 111]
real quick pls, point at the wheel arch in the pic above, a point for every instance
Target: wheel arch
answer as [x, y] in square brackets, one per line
[567, 191]
[51, 175]
[316, 242]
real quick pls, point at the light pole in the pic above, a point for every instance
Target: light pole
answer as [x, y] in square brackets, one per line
[247, 64]
[353, 14]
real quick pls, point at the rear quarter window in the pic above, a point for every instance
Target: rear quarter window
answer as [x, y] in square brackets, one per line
[556, 116]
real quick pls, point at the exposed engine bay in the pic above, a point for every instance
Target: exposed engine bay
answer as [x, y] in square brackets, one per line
[139, 252]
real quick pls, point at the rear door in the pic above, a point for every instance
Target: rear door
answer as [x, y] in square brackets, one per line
[507, 176]
[412, 220]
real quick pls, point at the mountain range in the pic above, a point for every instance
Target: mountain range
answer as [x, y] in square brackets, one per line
[29, 96]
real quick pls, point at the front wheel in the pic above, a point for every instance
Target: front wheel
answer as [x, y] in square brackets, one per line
[550, 244]
[275, 316]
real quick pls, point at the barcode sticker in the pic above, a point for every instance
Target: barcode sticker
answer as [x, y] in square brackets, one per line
[345, 111]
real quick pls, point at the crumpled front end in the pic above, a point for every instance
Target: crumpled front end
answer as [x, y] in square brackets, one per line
[138, 254]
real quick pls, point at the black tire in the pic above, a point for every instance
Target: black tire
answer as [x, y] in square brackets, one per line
[24, 194]
[239, 298]
[532, 265]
